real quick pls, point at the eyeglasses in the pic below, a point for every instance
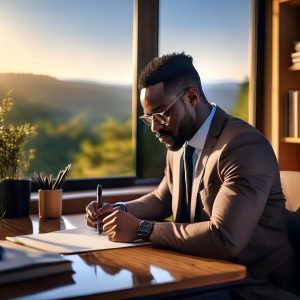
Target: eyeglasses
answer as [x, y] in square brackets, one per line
[159, 117]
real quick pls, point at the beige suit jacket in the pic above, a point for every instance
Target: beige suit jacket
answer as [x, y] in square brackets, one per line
[237, 197]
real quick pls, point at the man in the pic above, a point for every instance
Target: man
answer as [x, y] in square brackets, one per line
[232, 208]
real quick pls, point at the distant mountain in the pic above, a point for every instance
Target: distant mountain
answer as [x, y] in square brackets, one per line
[66, 98]
[224, 94]
[44, 97]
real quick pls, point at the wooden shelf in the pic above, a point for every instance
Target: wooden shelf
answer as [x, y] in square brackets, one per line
[290, 2]
[294, 140]
[284, 78]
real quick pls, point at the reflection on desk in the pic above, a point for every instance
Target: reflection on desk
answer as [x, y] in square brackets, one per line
[120, 273]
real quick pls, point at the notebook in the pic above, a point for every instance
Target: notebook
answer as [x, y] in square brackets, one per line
[20, 263]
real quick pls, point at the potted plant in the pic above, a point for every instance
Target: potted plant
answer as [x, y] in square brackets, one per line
[14, 162]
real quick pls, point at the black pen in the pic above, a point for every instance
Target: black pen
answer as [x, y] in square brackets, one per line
[1, 253]
[99, 194]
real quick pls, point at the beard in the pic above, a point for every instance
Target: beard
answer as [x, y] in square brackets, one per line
[184, 133]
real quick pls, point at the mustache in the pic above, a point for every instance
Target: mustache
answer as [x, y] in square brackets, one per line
[162, 133]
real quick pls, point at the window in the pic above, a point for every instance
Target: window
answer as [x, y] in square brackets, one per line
[216, 34]
[69, 66]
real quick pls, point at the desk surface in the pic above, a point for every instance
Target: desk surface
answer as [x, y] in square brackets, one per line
[118, 273]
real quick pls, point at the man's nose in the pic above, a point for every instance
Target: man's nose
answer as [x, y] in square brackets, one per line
[156, 125]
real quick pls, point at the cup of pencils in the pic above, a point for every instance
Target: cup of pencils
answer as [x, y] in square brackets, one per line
[50, 193]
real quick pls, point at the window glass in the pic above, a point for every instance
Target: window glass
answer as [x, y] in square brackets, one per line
[69, 67]
[216, 34]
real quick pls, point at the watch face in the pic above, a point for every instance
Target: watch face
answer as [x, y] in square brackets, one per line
[144, 230]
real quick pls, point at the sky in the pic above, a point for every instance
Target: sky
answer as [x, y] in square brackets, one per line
[92, 39]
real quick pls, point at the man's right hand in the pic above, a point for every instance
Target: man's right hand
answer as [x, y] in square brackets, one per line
[93, 213]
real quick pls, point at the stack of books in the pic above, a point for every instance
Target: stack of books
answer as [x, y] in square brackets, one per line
[292, 114]
[19, 263]
[296, 56]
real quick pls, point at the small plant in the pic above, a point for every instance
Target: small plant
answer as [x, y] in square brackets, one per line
[14, 160]
[45, 182]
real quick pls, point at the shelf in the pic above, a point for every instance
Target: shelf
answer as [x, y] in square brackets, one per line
[291, 2]
[295, 68]
[284, 77]
[294, 140]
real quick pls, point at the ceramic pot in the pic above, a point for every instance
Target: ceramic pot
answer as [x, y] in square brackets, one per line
[50, 203]
[15, 197]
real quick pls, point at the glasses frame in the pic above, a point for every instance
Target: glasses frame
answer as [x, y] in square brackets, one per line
[148, 119]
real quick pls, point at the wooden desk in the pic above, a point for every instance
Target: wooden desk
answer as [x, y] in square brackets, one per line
[118, 273]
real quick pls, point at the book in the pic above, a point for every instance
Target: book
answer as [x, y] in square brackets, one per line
[296, 60]
[298, 113]
[21, 263]
[295, 54]
[292, 114]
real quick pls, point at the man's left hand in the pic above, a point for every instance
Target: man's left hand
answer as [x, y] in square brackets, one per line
[120, 226]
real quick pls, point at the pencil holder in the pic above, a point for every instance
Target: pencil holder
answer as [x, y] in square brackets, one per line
[50, 203]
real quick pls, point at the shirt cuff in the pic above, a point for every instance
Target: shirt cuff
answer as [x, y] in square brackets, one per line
[120, 206]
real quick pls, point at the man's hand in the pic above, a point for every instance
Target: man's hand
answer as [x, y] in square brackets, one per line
[93, 213]
[120, 226]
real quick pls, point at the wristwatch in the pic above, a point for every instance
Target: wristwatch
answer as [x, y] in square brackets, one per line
[144, 230]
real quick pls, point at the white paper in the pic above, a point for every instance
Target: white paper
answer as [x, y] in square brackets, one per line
[70, 241]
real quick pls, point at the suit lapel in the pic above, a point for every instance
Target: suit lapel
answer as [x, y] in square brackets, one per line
[217, 125]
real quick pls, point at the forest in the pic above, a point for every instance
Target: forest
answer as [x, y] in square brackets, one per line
[86, 124]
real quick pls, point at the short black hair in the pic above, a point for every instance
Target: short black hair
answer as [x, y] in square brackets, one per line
[175, 70]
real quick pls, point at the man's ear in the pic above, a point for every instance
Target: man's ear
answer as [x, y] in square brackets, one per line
[193, 96]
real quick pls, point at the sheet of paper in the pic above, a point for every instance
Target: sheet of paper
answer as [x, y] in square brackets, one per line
[70, 241]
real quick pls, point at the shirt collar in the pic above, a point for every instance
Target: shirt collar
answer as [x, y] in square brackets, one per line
[198, 140]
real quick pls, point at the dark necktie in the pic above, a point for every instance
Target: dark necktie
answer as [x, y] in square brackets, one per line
[187, 184]
[188, 172]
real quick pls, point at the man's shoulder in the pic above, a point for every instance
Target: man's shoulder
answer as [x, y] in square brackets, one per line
[236, 126]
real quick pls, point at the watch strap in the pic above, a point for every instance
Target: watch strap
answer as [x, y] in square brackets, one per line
[144, 230]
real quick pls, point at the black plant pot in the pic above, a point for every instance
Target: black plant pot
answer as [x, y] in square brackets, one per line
[15, 197]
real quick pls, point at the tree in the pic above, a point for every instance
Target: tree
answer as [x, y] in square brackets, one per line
[111, 154]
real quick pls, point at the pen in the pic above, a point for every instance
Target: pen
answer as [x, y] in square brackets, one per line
[1, 252]
[99, 194]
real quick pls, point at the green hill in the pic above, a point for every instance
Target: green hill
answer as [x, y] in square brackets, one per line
[41, 97]
[69, 115]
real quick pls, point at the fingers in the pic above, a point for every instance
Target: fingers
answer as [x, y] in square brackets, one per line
[111, 233]
[95, 215]
[92, 214]
[91, 209]
[109, 221]
[117, 225]
[110, 226]
[91, 222]
[120, 226]
[107, 207]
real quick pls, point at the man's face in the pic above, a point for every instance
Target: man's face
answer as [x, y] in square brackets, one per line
[179, 121]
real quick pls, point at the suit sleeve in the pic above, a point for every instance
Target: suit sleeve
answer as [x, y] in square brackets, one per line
[246, 167]
[153, 206]
[156, 205]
